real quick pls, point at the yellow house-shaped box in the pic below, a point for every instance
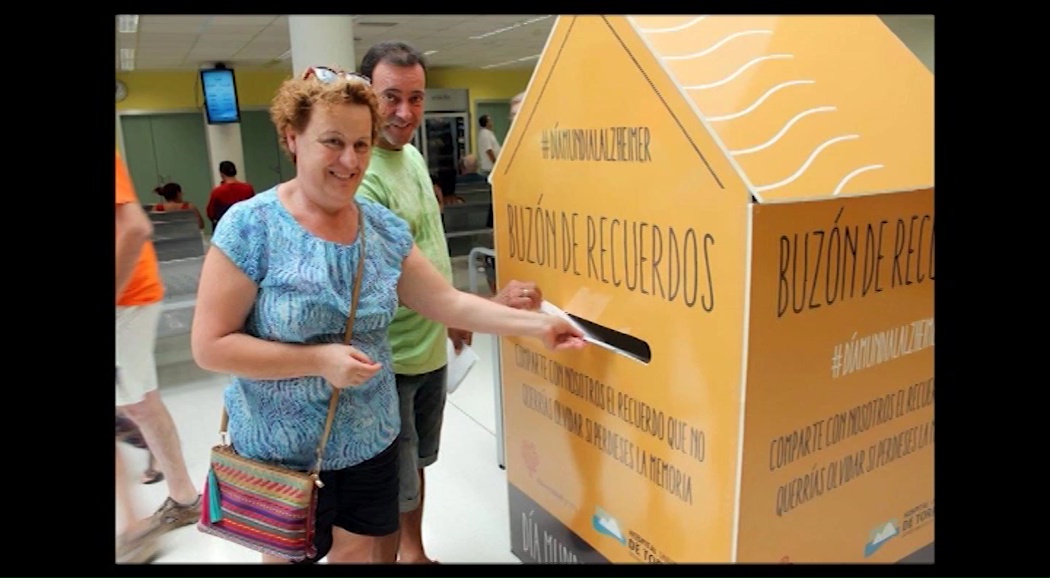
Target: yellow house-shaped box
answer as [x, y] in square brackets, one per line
[741, 208]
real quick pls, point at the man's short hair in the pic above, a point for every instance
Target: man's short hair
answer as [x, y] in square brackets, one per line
[393, 52]
[227, 169]
[483, 120]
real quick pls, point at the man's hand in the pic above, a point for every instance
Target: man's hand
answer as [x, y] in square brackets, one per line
[520, 295]
[459, 337]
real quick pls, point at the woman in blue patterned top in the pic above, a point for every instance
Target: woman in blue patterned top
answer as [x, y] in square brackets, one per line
[273, 303]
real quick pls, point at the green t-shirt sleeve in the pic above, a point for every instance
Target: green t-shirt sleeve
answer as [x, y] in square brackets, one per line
[373, 190]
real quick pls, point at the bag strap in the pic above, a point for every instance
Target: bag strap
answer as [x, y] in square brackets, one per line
[348, 335]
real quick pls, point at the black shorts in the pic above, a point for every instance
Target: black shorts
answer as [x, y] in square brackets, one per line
[361, 499]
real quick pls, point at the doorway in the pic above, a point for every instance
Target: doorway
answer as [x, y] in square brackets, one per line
[167, 147]
[265, 164]
[499, 112]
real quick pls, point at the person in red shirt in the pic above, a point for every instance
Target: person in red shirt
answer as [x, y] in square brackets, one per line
[230, 192]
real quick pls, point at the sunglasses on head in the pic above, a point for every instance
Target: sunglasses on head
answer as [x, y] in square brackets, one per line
[327, 75]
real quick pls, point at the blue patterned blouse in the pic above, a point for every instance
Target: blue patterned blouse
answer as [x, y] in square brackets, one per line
[305, 285]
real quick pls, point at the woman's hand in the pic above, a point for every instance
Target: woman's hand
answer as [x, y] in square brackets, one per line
[344, 366]
[559, 334]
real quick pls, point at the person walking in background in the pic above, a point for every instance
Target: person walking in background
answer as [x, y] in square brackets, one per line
[135, 543]
[139, 292]
[488, 145]
[129, 433]
[229, 192]
[397, 178]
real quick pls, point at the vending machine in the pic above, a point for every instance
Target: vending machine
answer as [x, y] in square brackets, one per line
[444, 135]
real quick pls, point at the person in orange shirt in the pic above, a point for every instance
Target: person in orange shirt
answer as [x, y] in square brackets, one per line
[227, 194]
[139, 293]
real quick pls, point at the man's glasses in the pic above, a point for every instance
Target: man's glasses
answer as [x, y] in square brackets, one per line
[327, 75]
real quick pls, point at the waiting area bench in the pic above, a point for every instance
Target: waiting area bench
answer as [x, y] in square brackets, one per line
[180, 252]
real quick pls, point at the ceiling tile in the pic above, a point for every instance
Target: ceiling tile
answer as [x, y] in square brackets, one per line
[167, 39]
[235, 30]
[148, 63]
[253, 62]
[244, 20]
[427, 24]
[210, 54]
[274, 35]
[162, 23]
[228, 42]
[369, 31]
[380, 18]
[155, 52]
[267, 42]
[259, 52]
[473, 28]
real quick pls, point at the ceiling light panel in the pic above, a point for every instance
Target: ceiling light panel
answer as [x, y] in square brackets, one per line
[511, 27]
[128, 23]
[127, 59]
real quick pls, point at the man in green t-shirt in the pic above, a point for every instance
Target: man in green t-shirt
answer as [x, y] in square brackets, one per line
[397, 177]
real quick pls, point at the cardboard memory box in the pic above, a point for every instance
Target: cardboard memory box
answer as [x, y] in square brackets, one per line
[741, 210]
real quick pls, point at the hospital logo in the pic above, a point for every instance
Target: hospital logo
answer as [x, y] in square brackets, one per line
[879, 536]
[606, 524]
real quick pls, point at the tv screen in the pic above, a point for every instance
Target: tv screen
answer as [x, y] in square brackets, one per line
[220, 96]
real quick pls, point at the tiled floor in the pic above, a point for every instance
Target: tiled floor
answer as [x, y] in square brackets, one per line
[465, 484]
[466, 515]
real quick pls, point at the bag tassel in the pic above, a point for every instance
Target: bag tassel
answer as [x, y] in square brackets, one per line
[214, 502]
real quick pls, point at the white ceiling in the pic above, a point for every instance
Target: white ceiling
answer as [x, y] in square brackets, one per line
[257, 41]
[261, 41]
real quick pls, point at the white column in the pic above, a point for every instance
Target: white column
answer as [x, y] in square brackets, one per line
[224, 144]
[322, 41]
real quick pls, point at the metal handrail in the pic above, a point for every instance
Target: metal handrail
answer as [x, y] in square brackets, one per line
[497, 381]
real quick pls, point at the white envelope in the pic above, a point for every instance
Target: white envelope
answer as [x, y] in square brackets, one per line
[458, 365]
[552, 309]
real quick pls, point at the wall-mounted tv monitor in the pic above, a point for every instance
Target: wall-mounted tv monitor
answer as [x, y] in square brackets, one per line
[220, 96]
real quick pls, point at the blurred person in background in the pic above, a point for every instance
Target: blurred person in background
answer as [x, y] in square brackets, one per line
[139, 293]
[488, 144]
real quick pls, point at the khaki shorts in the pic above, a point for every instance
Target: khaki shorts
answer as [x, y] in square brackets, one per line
[136, 338]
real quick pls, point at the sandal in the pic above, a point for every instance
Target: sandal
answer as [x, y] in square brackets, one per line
[129, 433]
[152, 476]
